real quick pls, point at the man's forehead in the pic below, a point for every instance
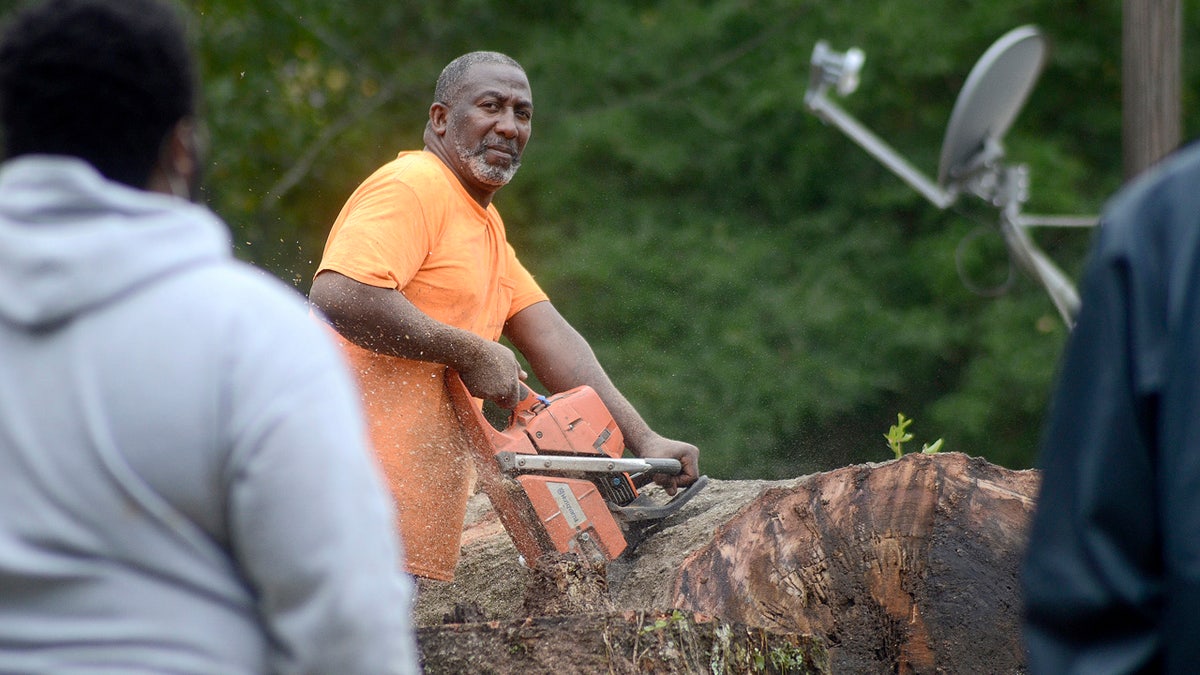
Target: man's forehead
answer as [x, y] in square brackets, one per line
[499, 78]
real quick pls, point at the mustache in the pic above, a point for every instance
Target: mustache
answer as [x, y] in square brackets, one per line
[498, 143]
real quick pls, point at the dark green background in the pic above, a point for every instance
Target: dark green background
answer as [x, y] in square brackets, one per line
[751, 279]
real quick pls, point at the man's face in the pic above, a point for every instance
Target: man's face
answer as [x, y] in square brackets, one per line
[489, 124]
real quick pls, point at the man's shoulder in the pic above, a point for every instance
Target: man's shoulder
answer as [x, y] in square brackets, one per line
[1155, 213]
[243, 309]
[1170, 185]
[417, 180]
[415, 168]
[235, 288]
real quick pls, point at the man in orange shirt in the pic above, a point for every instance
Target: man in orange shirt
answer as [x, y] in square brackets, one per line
[418, 277]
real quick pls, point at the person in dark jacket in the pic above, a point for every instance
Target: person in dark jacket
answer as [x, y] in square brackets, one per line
[1111, 577]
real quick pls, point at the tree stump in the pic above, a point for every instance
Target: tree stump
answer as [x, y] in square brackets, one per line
[902, 566]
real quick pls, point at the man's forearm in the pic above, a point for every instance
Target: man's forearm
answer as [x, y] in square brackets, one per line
[384, 321]
[415, 337]
[562, 359]
[584, 368]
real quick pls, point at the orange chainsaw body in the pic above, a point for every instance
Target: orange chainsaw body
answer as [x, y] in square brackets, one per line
[575, 515]
[571, 510]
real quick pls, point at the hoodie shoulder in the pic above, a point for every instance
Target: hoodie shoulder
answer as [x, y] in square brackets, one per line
[72, 241]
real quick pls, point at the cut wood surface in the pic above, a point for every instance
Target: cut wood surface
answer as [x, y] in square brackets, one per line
[901, 566]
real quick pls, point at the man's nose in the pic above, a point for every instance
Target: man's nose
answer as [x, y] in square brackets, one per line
[506, 125]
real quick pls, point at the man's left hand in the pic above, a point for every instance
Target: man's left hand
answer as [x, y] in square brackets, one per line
[687, 454]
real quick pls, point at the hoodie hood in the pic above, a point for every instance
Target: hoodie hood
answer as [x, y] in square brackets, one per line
[71, 240]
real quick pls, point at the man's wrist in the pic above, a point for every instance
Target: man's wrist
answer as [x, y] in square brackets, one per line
[462, 349]
[639, 440]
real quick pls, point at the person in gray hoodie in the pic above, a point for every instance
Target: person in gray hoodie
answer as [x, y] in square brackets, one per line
[185, 484]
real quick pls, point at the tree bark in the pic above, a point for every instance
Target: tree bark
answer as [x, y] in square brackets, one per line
[904, 566]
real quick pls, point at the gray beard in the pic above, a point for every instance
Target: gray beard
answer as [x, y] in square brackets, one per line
[476, 162]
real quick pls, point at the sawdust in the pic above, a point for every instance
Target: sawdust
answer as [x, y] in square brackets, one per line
[492, 582]
[562, 584]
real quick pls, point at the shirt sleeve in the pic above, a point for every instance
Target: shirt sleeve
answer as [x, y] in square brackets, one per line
[311, 525]
[526, 290]
[382, 236]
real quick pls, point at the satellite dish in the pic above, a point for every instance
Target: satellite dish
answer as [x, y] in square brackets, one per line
[972, 153]
[995, 91]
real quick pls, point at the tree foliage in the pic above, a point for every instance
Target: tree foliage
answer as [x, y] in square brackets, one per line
[752, 280]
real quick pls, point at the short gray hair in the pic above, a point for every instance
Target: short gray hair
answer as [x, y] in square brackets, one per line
[449, 82]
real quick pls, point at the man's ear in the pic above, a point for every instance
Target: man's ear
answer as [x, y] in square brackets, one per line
[439, 116]
[177, 166]
[180, 153]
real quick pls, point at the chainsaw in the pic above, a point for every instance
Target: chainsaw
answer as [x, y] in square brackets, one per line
[557, 477]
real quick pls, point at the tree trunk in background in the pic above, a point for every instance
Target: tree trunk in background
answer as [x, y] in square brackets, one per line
[1152, 41]
[906, 566]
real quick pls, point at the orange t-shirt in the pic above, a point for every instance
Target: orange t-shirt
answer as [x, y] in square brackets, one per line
[412, 226]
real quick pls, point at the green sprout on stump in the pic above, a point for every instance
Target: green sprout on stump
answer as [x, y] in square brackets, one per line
[898, 435]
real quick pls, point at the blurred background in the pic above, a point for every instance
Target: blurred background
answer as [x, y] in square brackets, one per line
[751, 279]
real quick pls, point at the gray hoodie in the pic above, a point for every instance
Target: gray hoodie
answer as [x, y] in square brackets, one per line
[185, 484]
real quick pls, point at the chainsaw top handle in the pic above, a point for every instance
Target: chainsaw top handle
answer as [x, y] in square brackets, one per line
[666, 465]
[529, 398]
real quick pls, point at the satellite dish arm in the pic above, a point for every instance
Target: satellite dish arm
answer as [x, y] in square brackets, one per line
[830, 112]
[1035, 263]
[1030, 220]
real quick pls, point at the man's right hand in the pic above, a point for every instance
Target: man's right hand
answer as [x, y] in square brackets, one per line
[494, 375]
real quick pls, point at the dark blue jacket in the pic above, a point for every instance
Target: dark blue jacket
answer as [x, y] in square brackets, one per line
[1111, 579]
